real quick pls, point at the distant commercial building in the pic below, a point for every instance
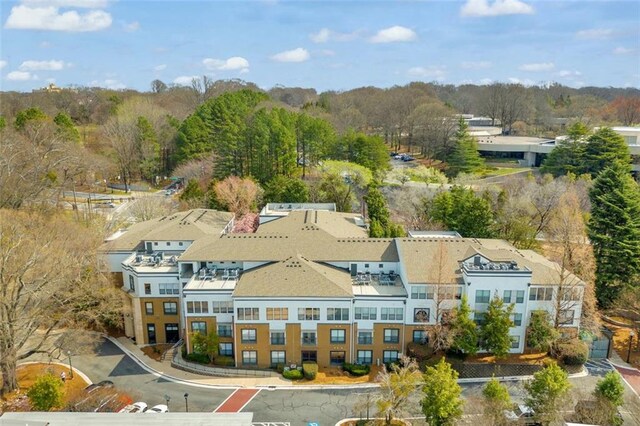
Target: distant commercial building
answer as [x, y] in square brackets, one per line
[310, 285]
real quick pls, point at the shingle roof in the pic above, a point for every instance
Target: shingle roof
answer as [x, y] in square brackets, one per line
[189, 225]
[294, 277]
[338, 225]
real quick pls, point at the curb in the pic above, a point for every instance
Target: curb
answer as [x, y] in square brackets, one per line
[75, 370]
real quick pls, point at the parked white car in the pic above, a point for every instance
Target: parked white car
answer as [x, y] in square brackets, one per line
[136, 407]
[160, 408]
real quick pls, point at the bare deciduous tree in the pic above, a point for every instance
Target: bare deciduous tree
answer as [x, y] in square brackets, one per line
[239, 195]
[49, 279]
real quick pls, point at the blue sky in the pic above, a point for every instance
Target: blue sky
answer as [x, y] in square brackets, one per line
[330, 45]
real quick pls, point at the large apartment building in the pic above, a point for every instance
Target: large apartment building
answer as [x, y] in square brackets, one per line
[310, 285]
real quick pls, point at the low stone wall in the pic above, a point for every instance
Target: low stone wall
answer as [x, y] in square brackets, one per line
[192, 367]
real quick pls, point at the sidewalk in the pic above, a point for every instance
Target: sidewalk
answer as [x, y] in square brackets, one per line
[630, 374]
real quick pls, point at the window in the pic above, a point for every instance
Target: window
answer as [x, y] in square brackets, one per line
[311, 356]
[336, 357]
[155, 243]
[225, 307]
[277, 357]
[541, 293]
[148, 306]
[249, 357]
[168, 243]
[380, 265]
[338, 336]
[170, 308]
[566, 316]
[570, 294]
[418, 292]
[147, 288]
[515, 342]
[132, 285]
[420, 336]
[278, 314]
[365, 337]
[225, 349]
[389, 356]
[225, 330]
[391, 335]
[482, 296]
[391, 314]
[364, 357]
[337, 314]
[517, 320]
[308, 337]
[248, 314]
[520, 296]
[421, 315]
[277, 337]
[199, 327]
[169, 288]
[479, 317]
[249, 335]
[506, 297]
[199, 307]
[366, 313]
[308, 314]
[366, 265]
[180, 244]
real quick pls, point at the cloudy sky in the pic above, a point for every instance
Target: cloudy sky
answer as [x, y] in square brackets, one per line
[329, 45]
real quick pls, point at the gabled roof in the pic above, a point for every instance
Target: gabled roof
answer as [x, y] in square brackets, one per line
[294, 277]
[189, 225]
[338, 225]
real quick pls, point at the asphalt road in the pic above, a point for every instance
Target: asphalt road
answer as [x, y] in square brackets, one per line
[298, 407]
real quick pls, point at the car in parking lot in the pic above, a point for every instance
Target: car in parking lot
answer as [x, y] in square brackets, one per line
[160, 408]
[521, 414]
[136, 407]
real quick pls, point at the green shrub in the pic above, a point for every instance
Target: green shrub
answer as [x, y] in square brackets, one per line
[573, 352]
[46, 393]
[310, 370]
[356, 369]
[224, 361]
[280, 367]
[199, 358]
[294, 374]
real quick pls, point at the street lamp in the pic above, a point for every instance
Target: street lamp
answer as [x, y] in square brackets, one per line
[186, 401]
[70, 367]
[167, 398]
[631, 335]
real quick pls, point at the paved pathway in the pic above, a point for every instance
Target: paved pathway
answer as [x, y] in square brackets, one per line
[629, 374]
[237, 401]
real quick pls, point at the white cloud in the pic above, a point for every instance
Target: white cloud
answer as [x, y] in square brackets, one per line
[132, 26]
[185, 80]
[538, 67]
[89, 4]
[321, 36]
[481, 8]
[595, 34]
[3, 64]
[231, 64]
[108, 84]
[394, 34]
[160, 67]
[21, 76]
[325, 35]
[432, 72]
[569, 74]
[327, 52]
[524, 82]
[486, 81]
[476, 65]
[622, 51]
[24, 17]
[295, 55]
[41, 66]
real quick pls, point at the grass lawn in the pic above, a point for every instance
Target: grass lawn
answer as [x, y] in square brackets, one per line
[621, 343]
[336, 376]
[533, 359]
[27, 375]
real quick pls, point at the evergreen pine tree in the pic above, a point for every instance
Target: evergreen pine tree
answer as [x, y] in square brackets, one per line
[465, 331]
[603, 149]
[568, 155]
[614, 231]
[465, 157]
[495, 331]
